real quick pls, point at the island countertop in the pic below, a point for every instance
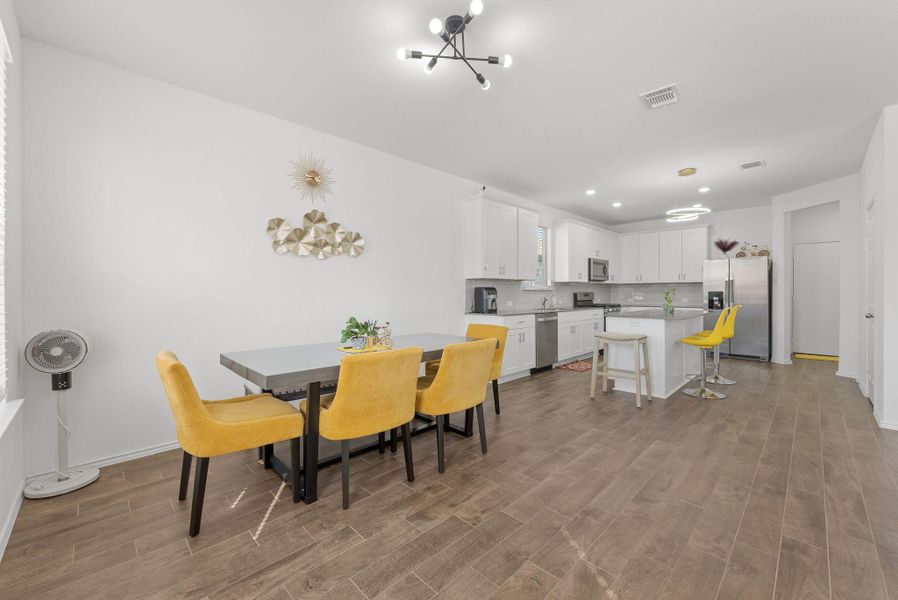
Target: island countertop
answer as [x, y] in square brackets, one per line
[680, 314]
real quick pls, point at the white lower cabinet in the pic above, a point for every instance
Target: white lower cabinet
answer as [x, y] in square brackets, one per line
[520, 344]
[576, 332]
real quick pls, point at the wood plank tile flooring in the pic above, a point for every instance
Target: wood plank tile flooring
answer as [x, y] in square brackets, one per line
[785, 490]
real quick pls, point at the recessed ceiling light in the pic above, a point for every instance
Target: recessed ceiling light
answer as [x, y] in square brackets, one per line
[696, 206]
[590, 192]
[704, 190]
[616, 204]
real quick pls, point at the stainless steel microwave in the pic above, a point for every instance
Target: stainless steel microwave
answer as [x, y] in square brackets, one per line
[598, 269]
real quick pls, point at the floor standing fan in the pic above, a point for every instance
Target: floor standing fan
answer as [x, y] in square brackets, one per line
[57, 353]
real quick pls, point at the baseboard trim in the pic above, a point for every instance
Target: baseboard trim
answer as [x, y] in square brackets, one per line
[847, 375]
[781, 362]
[115, 459]
[884, 424]
[10, 521]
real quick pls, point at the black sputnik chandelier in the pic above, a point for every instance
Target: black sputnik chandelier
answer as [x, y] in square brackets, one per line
[452, 32]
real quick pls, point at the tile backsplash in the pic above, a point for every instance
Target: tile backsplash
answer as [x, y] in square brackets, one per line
[512, 297]
[652, 294]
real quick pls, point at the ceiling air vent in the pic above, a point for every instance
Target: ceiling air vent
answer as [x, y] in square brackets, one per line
[669, 94]
[758, 164]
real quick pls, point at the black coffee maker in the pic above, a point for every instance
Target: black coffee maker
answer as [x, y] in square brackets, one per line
[485, 300]
[715, 300]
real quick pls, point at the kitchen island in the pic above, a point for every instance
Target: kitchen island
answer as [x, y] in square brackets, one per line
[670, 360]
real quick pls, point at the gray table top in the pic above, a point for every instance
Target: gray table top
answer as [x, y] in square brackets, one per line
[292, 368]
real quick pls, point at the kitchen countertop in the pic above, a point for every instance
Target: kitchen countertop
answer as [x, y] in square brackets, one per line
[514, 312]
[679, 314]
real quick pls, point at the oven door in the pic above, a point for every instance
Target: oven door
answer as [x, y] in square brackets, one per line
[598, 269]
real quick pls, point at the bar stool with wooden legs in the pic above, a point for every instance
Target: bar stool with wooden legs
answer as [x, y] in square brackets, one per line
[638, 341]
[705, 343]
[729, 330]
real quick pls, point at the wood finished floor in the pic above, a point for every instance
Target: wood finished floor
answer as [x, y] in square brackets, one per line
[784, 490]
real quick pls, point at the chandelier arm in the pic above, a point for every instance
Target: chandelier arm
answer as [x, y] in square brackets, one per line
[486, 60]
[463, 57]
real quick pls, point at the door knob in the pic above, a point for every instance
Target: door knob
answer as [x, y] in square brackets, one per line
[868, 316]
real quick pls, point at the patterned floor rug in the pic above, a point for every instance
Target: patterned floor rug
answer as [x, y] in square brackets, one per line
[578, 365]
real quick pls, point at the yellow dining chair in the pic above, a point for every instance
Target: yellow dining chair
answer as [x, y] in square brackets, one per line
[481, 332]
[705, 343]
[212, 428]
[459, 384]
[375, 393]
[729, 330]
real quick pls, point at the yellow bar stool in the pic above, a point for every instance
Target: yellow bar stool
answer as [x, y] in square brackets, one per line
[729, 330]
[705, 343]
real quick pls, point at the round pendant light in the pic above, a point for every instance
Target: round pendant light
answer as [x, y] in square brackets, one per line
[687, 213]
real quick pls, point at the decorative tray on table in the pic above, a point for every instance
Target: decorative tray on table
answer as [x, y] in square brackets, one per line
[351, 350]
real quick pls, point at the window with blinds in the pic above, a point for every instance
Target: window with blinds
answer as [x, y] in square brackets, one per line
[5, 57]
[543, 279]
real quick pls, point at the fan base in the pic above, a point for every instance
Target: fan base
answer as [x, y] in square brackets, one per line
[50, 486]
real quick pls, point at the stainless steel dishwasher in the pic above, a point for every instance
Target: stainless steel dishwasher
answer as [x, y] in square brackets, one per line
[546, 339]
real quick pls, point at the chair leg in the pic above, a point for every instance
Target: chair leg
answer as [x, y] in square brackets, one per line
[199, 493]
[638, 375]
[185, 476]
[482, 427]
[267, 451]
[344, 462]
[441, 454]
[381, 442]
[605, 364]
[407, 450]
[496, 394]
[296, 467]
[393, 440]
[595, 368]
[648, 368]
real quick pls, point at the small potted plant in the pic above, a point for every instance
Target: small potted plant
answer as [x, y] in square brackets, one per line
[360, 334]
[668, 300]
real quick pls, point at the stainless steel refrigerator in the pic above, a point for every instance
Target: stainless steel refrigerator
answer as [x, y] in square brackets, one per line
[745, 281]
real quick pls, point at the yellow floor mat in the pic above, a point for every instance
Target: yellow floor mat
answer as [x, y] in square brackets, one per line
[825, 357]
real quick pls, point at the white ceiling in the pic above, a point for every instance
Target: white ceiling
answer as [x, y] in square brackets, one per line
[797, 83]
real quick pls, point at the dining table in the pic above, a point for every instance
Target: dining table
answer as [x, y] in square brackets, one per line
[303, 372]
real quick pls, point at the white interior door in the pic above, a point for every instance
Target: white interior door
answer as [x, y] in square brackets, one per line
[815, 298]
[869, 279]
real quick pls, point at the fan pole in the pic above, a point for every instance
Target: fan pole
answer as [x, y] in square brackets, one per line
[63, 437]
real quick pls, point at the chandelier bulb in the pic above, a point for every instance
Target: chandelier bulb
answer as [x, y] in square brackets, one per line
[402, 54]
[475, 8]
[436, 26]
[485, 85]
[506, 61]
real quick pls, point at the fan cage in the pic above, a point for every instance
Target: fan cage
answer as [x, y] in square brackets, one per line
[56, 351]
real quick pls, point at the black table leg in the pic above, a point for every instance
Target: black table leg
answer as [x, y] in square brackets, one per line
[310, 441]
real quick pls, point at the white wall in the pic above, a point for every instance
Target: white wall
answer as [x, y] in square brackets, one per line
[146, 230]
[750, 225]
[816, 224]
[844, 191]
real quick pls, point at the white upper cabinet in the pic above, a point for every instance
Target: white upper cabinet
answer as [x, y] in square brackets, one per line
[628, 259]
[639, 258]
[648, 257]
[671, 244]
[500, 243]
[528, 225]
[575, 244]
[682, 254]
[695, 252]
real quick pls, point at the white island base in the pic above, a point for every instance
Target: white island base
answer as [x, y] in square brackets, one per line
[670, 360]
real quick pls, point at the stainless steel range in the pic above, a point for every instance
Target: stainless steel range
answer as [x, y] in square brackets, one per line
[587, 300]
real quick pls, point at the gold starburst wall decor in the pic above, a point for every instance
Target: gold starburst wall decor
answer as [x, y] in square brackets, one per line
[312, 177]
